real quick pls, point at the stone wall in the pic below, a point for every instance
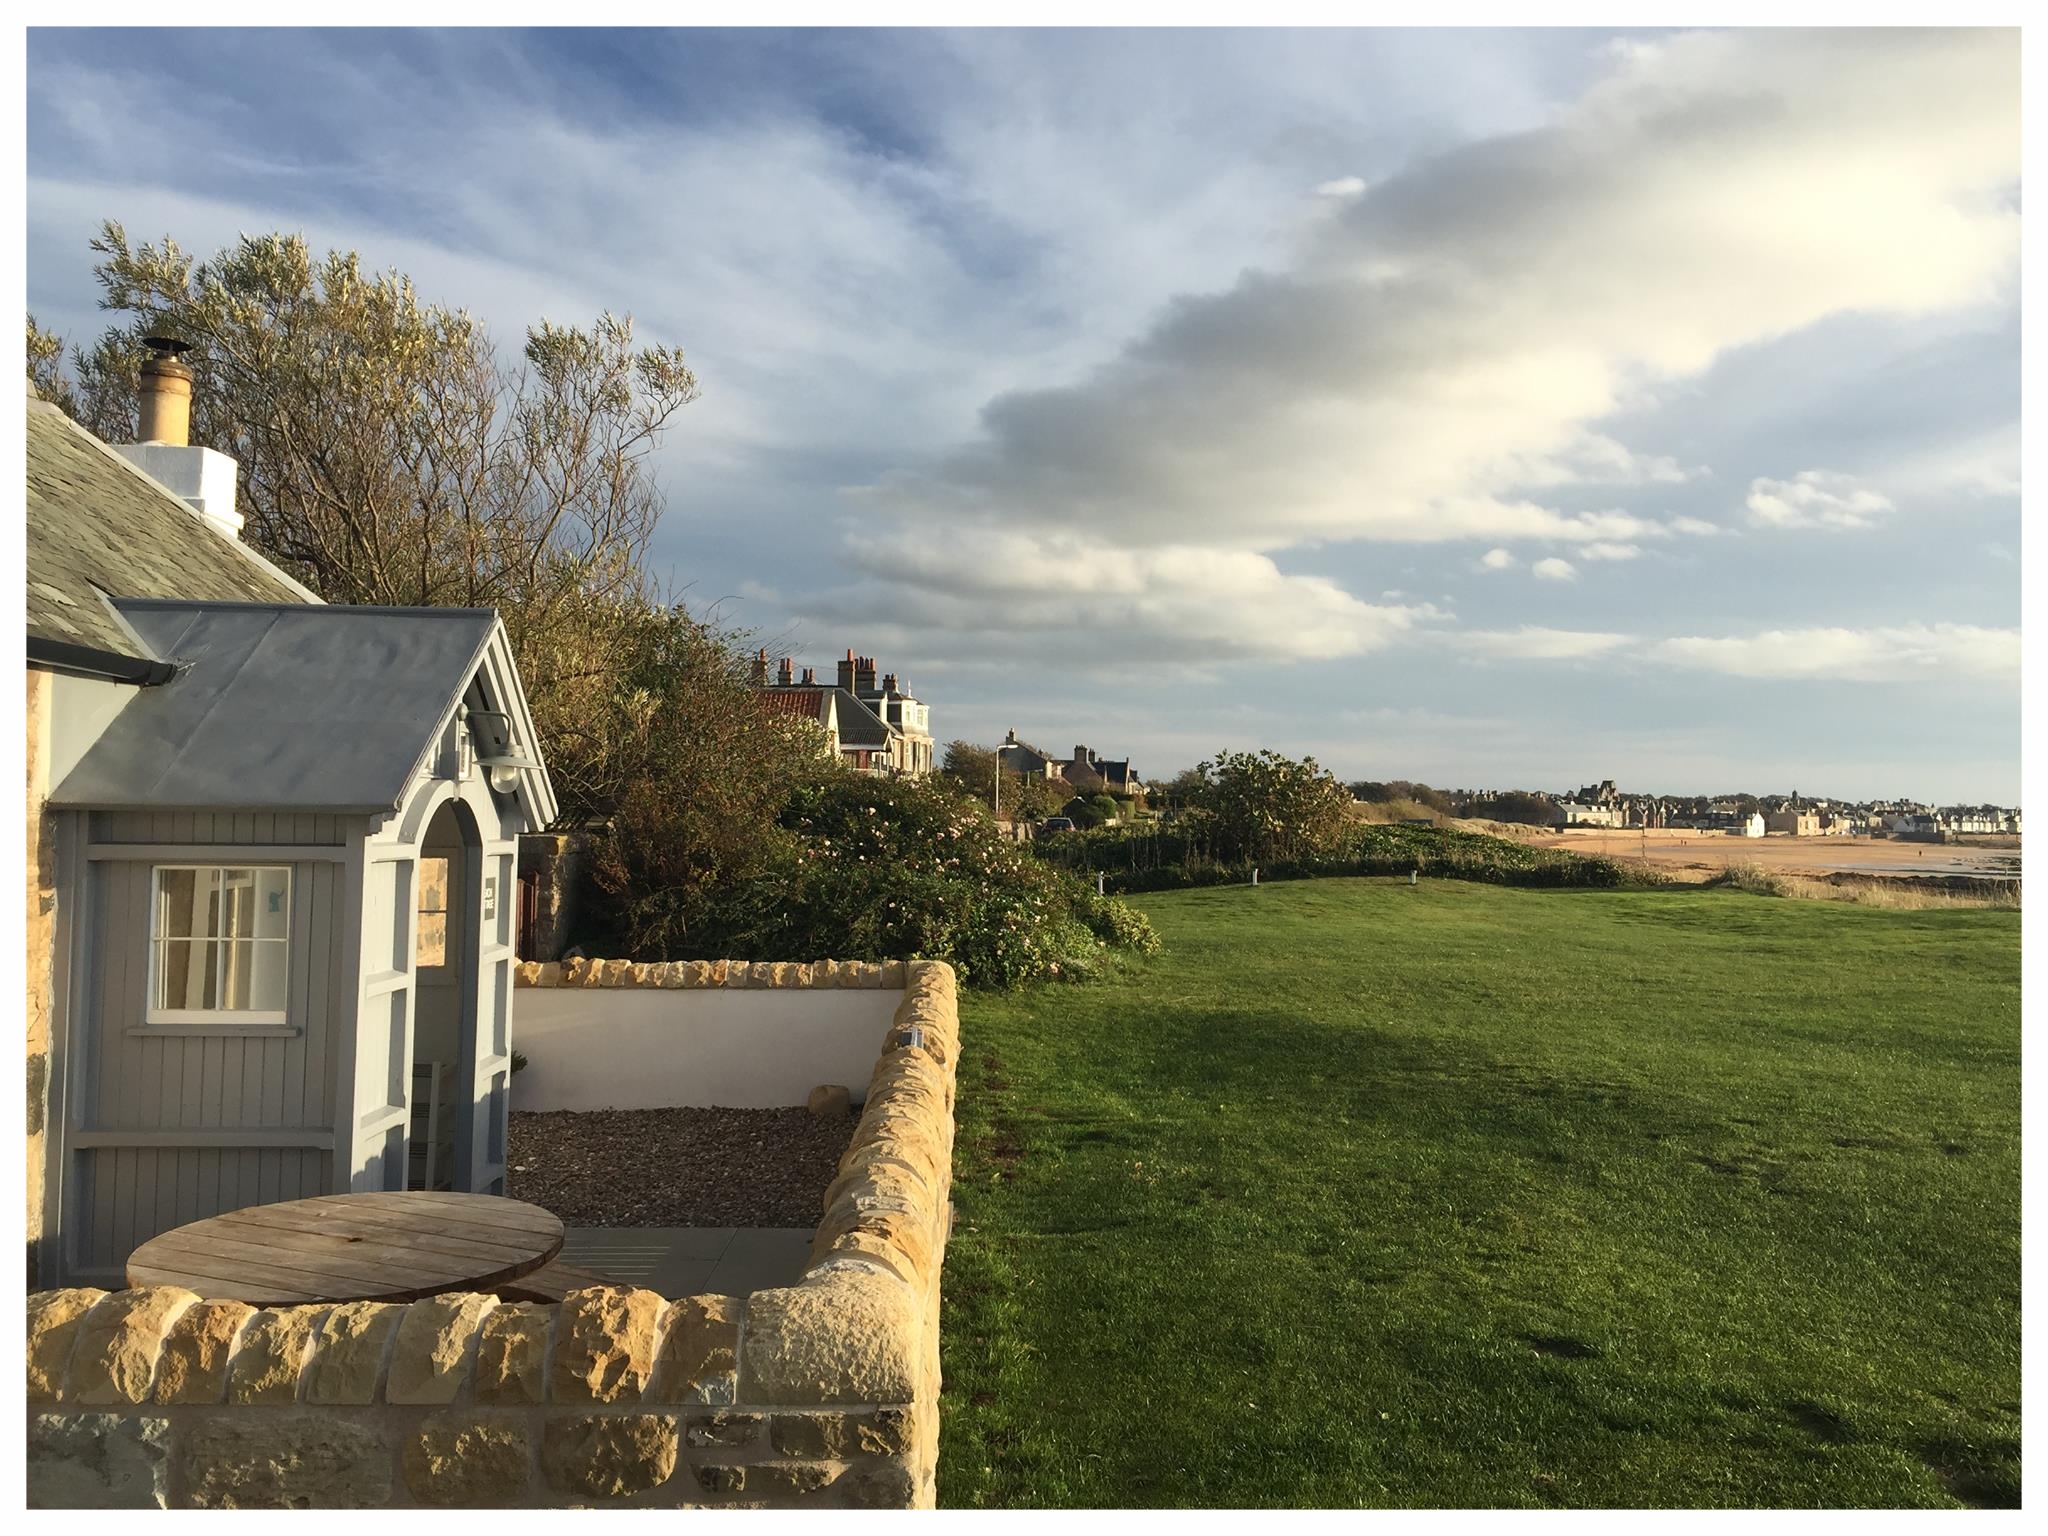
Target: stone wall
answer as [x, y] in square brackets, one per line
[821, 1394]
[556, 862]
[41, 912]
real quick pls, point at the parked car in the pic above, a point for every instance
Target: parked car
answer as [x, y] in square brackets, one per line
[1057, 824]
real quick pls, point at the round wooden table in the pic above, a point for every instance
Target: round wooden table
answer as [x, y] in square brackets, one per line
[379, 1247]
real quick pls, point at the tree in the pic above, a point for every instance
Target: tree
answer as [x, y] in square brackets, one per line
[46, 368]
[970, 768]
[700, 772]
[1522, 808]
[1263, 807]
[389, 456]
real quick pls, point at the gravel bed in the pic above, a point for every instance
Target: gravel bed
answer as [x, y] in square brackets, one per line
[676, 1167]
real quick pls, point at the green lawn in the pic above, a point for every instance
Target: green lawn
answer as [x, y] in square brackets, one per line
[1465, 1196]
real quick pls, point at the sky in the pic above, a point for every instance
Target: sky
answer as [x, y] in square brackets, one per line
[1482, 407]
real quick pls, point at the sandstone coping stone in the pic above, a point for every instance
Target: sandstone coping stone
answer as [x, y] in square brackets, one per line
[348, 1353]
[272, 1355]
[830, 1101]
[53, 1319]
[840, 1337]
[284, 1461]
[606, 1344]
[96, 1461]
[431, 1355]
[609, 1456]
[512, 1354]
[462, 1460]
[582, 971]
[700, 1351]
[197, 1348]
[114, 1360]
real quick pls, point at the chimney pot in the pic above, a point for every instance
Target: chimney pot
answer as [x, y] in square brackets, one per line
[782, 672]
[164, 394]
[810, 675]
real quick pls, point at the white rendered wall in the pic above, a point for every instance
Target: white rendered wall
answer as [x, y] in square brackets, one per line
[657, 1048]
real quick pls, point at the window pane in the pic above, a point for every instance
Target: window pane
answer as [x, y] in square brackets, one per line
[183, 899]
[238, 904]
[238, 974]
[185, 974]
[273, 903]
[432, 948]
[268, 976]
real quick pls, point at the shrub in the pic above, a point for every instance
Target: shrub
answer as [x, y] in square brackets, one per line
[1747, 875]
[875, 869]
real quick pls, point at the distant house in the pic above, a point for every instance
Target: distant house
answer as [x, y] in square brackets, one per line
[1578, 814]
[874, 726]
[1751, 825]
[1086, 771]
[1796, 821]
[1026, 761]
[272, 852]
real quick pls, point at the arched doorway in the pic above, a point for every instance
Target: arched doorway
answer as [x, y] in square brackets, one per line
[444, 989]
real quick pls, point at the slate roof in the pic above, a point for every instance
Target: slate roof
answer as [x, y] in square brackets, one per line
[97, 524]
[283, 706]
[860, 726]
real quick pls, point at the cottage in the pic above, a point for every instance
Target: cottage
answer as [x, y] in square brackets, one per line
[272, 850]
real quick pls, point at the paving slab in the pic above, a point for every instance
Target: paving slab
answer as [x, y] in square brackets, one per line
[691, 1261]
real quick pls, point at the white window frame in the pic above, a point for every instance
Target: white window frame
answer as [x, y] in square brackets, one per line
[155, 1015]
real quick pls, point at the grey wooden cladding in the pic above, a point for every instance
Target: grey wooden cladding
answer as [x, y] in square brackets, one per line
[169, 1117]
[280, 827]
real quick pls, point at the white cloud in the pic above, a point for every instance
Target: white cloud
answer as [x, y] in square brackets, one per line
[1436, 353]
[1605, 551]
[1449, 337]
[1497, 560]
[1093, 603]
[1904, 653]
[1343, 186]
[1534, 643]
[1694, 527]
[1815, 498]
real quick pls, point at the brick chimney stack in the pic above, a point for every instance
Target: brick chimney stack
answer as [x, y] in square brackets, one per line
[782, 672]
[757, 673]
[864, 675]
[889, 683]
[846, 671]
[810, 676]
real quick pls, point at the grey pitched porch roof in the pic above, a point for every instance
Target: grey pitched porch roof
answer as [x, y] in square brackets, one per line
[282, 707]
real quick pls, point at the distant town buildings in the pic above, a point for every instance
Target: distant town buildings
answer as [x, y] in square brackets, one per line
[1603, 805]
[1086, 772]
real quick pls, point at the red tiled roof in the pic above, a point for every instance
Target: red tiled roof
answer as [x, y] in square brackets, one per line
[792, 701]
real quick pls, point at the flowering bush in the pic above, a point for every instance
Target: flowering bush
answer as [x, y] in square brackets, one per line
[875, 869]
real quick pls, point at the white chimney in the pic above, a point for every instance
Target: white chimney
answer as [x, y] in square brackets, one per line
[203, 479]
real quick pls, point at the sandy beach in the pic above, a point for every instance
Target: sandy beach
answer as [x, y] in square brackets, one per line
[1706, 853]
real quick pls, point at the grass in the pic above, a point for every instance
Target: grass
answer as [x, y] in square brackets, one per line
[1458, 1195]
